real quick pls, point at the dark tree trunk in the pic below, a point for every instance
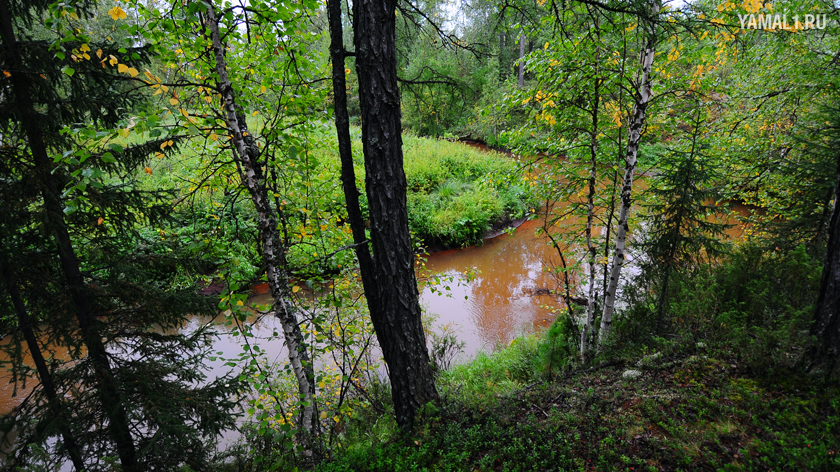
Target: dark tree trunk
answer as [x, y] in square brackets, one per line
[107, 389]
[57, 410]
[345, 151]
[396, 315]
[826, 327]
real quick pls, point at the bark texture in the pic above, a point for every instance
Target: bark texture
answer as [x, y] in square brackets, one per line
[637, 123]
[345, 151]
[396, 311]
[107, 389]
[271, 247]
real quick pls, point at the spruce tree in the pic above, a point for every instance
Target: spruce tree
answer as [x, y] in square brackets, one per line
[82, 272]
[684, 226]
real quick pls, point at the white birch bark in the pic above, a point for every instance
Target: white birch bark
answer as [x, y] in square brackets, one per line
[272, 250]
[642, 100]
[590, 216]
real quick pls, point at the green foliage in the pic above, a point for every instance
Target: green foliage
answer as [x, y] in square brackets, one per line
[557, 351]
[486, 377]
[756, 303]
[457, 193]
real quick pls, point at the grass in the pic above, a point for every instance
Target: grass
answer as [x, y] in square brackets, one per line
[455, 193]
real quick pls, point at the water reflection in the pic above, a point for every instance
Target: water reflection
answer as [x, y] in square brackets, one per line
[500, 302]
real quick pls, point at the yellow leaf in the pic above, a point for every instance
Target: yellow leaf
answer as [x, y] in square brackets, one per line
[255, 113]
[163, 145]
[184, 112]
[99, 53]
[123, 132]
[262, 89]
[122, 68]
[117, 13]
[208, 99]
[84, 48]
[323, 415]
[295, 289]
[239, 303]
[213, 136]
[113, 60]
[100, 221]
[159, 155]
[132, 72]
[148, 170]
[7, 73]
[320, 384]
[173, 101]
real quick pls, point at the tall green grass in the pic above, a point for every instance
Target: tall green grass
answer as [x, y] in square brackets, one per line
[457, 193]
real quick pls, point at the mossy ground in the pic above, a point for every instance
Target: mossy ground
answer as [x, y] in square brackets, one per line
[691, 411]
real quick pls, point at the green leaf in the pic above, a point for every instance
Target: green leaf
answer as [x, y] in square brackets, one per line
[108, 158]
[69, 71]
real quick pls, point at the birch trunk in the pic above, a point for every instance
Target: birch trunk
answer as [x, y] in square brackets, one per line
[272, 249]
[642, 99]
[590, 216]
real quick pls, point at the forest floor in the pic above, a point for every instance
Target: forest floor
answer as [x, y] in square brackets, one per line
[689, 411]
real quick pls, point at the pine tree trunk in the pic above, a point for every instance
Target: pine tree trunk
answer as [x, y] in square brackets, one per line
[106, 385]
[396, 316]
[826, 327]
[57, 410]
[271, 249]
[642, 99]
[345, 152]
